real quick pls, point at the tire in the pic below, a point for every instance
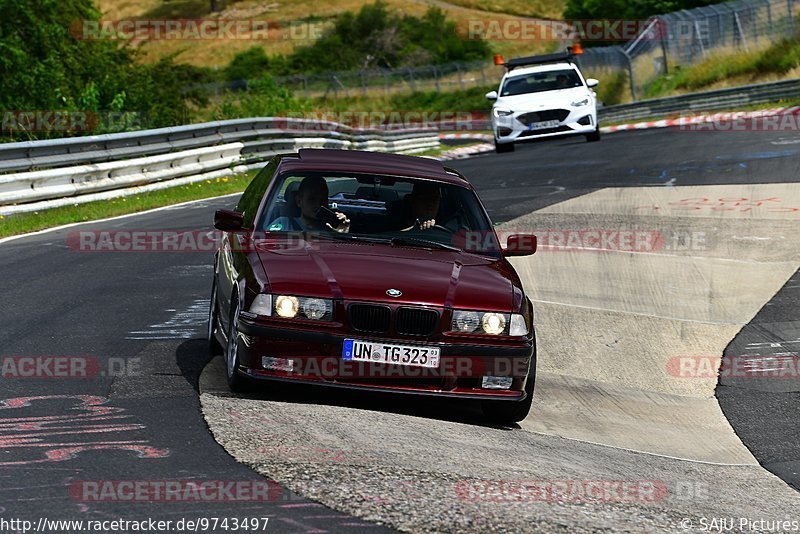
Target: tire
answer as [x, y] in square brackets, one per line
[214, 346]
[236, 382]
[503, 148]
[507, 412]
[594, 136]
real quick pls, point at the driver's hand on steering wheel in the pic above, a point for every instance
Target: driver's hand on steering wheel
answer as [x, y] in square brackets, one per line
[427, 225]
[421, 225]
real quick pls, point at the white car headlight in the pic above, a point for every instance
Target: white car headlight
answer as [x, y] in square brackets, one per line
[466, 321]
[316, 309]
[286, 306]
[499, 112]
[580, 103]
[491, 323]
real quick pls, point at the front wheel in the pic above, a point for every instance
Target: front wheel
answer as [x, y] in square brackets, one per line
[236, 382]
[214, 347]
[502, 148]
[594, 136]
[507, 412]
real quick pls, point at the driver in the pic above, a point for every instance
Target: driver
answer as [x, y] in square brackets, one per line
[562, 81]
[311, 196]
[425, 198]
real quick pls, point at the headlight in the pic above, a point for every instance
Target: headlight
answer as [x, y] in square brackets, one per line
[579, 103]
[502, 112]
[466, 321]
[262, 305]
[518, 326]
[313, 308]
[286, 306]
[491, 323]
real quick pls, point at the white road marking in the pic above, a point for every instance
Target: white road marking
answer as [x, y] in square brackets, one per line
[184, 324]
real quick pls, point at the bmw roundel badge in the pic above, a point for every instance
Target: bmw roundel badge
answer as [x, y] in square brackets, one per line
[394, 292]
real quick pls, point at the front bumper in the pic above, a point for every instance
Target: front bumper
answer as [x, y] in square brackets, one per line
[316, 358]
[518, 127]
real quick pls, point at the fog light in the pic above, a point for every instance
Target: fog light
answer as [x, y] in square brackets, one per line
[504, 132]
[585, 121]
[277, 364]
[496, 382]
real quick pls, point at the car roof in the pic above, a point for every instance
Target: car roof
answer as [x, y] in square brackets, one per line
[539, 68]
[358, 161]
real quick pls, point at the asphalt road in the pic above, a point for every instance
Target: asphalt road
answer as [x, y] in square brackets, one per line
[145, 312]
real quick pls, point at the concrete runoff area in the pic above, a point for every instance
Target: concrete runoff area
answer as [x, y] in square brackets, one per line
[616, 378]
[612, 401]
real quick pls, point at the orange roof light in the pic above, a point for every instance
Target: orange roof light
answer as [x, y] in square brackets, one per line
[498, 59]
[577, 49]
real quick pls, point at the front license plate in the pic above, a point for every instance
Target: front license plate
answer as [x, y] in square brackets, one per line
[544, 124]
[373, 351]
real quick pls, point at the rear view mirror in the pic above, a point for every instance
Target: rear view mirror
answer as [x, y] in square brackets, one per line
[228, 220]
[491, 95]
[591, 82]
[520, 245]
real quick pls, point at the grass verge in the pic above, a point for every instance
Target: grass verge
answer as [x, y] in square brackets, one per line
[778, 59]
[30, 222]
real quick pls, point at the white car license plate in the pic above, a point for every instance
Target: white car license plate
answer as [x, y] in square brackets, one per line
[544, 124]
[374, 351]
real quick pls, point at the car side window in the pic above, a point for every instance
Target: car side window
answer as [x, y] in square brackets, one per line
[252, 196]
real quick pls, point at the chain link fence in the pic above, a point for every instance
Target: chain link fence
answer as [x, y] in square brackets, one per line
[688, 36]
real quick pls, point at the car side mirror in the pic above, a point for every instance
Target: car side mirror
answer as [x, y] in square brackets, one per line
[228, 220]
[520, 245]
[491, 95]
[592, 82]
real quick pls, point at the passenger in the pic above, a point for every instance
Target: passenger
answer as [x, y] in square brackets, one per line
[311, 196]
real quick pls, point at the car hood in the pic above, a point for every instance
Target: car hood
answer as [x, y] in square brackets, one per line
[546, 100]
[361, 271]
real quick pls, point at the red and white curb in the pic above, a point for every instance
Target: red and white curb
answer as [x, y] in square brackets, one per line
[486, 145]
[686, 122]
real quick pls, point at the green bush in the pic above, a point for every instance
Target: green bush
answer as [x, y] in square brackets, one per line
[263, 98]
[46, 64]
[377, 37]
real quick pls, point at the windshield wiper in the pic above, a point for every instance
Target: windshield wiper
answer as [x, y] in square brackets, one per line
[415, 241]
[341, 236]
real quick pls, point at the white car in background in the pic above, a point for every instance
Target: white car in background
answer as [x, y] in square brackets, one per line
[540, 97]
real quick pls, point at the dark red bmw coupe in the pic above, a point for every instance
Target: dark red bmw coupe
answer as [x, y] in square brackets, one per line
[372, 271]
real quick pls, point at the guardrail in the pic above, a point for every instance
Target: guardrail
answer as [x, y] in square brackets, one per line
[43, 174]
[704, 101]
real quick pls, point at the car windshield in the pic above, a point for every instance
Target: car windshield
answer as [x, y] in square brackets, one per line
[398, 211]
[538, 82]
